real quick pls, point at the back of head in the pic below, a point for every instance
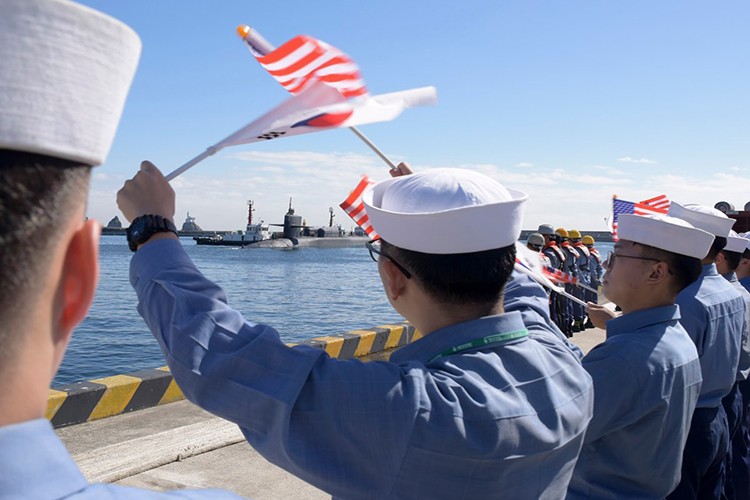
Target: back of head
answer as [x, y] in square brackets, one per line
[65, 71]
[454, 229]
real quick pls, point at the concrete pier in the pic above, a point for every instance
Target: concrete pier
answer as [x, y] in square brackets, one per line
[178, 445]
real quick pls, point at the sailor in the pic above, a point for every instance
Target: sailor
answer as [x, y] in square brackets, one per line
[584, 277]
[743, 269]
[596, 270]
[480, 404]
[65, 71]
[735, 403]
[570, 267]
[557, 303]
[647, 374]
[713, 314]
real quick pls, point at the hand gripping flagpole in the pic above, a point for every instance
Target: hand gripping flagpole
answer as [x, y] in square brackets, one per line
[259, 44]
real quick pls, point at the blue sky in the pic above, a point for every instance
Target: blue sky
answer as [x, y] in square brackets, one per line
[571, 102]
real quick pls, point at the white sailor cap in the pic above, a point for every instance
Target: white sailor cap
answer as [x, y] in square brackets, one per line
[707, 218]
[746, 235]
[445, 211]
[736, 243]
[65, 70]
[664, 232]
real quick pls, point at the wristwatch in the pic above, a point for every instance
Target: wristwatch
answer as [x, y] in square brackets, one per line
[144, 227]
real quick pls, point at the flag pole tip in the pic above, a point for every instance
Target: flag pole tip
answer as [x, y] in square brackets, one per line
[243, 30]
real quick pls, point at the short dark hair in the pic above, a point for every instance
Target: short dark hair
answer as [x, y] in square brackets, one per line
[476, 278]
[684, 270]
[37, 197]
[716, 247]
[732, 259]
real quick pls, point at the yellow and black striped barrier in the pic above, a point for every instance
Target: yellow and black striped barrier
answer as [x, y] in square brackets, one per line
[94, 399]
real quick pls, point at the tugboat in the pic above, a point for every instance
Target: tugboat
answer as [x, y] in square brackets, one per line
[253, 233]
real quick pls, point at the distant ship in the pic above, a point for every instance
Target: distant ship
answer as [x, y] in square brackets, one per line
[253, 233]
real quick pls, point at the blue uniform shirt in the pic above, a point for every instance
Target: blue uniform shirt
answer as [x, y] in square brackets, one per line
[647, 377]
[713, 314]
[34, 464]
[500, 419]
[745, 282]
[743, 370]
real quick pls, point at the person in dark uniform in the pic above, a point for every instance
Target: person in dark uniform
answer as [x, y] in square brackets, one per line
[596, 271]
[569, 267]
[556, 256]
[584, 277]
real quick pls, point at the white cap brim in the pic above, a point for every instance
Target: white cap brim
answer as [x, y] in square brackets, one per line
[706, 218]
[736, 243]
[65, 71]
[458, 230]
[667, 233]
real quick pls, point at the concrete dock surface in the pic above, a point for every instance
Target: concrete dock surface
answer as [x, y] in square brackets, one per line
[178, 445]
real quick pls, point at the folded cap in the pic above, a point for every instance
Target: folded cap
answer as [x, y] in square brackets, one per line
[664, 232]
[65, 70]
[707, 218]
[445, 211]
[736, 243]
[746, 235]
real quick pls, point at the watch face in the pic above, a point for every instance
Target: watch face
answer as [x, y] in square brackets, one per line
[137, 228]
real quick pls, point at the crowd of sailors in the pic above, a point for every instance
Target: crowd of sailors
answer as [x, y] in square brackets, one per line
[581, 266]
[492, 400]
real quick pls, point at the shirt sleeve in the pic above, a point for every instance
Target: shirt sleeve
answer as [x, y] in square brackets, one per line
[324, 420]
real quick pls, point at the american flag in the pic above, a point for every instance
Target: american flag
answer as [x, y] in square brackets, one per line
[355, 207]
[303, 59]
[656, 205]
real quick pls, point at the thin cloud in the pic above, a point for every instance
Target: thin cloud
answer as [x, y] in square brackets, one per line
[628, 159]
[524, 164]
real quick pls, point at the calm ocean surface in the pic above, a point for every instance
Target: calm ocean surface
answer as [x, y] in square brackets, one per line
[303, 293]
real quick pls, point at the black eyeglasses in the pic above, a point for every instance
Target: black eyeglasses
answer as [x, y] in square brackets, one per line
[611, 258]
[375, 249]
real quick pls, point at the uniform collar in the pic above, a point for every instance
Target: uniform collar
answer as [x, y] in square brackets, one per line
[429, 346]
[731, 277]
[35, 463]
[709, 270]
[631, 322]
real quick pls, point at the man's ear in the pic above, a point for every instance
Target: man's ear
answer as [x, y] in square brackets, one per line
[78, 279]
[659, 272]
[394, 281]
[719, 259]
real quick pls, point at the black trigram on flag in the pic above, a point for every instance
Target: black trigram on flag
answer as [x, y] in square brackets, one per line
[271, 135]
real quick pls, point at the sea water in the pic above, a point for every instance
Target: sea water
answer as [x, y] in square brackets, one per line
[303, 293]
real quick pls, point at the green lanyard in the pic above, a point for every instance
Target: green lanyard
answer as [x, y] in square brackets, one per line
[498, 338]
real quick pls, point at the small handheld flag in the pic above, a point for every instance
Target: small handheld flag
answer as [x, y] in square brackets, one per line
[355, 207]
[322, 80]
